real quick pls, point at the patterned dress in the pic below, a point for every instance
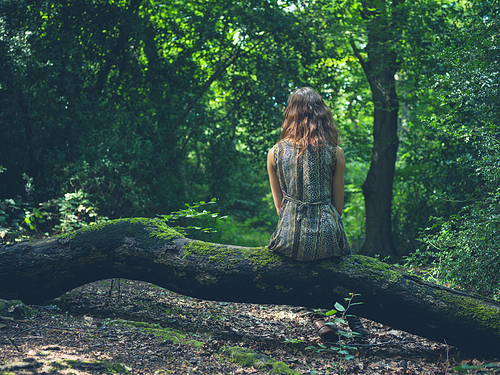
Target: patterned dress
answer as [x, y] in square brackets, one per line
[309, 226]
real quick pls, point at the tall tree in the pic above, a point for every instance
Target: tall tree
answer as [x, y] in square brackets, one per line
[380, 61]
[386, 37]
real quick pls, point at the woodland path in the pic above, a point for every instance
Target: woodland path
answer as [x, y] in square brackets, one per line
[135, 327]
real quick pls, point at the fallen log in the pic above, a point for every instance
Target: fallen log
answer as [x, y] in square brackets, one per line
[149, 250]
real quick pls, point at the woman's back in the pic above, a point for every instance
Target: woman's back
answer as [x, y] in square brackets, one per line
[309, 227]
[308, 178]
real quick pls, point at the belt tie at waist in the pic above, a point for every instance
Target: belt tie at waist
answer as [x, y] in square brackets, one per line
[303, 205]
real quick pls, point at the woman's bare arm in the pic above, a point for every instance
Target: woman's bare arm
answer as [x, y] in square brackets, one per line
[338, 182]
[273, 179]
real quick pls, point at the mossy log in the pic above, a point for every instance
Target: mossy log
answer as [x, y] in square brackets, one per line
[148, 250]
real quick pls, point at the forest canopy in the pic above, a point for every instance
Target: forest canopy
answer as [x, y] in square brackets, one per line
[138, 108]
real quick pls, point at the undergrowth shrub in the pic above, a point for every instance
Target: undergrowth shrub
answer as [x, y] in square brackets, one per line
[464, 250]
[22, 220]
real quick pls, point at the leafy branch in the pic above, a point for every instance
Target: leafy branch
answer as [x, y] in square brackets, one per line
[191, 212]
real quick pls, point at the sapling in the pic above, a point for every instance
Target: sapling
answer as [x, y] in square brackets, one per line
[343, 350]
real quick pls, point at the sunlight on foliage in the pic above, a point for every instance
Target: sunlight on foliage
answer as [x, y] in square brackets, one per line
[464, 247]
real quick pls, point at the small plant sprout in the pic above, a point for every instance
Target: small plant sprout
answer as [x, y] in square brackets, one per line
[342, 349]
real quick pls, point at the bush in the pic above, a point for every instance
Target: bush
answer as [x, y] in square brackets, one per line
[20, 220]
[464, 248]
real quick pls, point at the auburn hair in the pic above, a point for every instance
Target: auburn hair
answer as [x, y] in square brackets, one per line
[308, 121]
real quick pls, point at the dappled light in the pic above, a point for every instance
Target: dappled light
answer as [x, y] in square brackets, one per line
[163, 112]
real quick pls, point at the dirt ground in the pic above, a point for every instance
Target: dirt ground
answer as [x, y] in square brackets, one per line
[124, 326]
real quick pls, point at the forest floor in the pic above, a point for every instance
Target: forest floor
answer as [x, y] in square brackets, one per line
[123, 326]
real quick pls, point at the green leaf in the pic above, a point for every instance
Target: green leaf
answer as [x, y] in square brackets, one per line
[339, 307]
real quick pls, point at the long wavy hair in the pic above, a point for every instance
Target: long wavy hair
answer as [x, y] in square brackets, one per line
[308, 121]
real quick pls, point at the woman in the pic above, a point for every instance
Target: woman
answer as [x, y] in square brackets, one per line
[306, 171]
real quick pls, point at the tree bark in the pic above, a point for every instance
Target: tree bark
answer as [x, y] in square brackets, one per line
[377, 188]
[148, 250]
[380, 66]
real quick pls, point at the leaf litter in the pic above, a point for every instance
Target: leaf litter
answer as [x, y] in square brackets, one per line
[125, 326]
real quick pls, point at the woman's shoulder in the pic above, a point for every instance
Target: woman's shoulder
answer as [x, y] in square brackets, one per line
[283, 144]
[339, 155]
[273, 151]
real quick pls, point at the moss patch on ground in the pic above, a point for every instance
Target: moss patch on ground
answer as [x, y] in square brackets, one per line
[236, 354]
[98, 366]
[15, 309]
[162, 333]
[246, 358]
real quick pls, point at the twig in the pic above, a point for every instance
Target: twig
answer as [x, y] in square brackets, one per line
[14, 344]
[48, 308]
[447, 358]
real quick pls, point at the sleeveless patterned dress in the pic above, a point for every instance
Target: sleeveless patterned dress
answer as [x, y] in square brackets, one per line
[309, 226]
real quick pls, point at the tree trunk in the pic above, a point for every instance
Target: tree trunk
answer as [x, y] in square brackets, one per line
[377, 188]
[148, 250]
[380, 67]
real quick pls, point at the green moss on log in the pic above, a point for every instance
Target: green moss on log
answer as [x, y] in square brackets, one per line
[377, 269]
[222, 254]
[157, 228]
[261, 256]
[213, 252]
[466, 307]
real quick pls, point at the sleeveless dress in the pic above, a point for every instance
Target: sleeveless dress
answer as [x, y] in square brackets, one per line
[309, 226]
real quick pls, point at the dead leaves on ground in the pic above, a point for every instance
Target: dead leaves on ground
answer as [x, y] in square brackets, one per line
[89, 336]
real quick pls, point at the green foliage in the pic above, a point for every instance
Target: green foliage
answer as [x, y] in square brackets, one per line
[21, 220]
[191, 213]
[146, 106]
[343, 350]
[249, 232]
[464, 245]
[465, 368]
[354, 203]
[75, 211]
[433, 176]
[136, 108]
[212, 227]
